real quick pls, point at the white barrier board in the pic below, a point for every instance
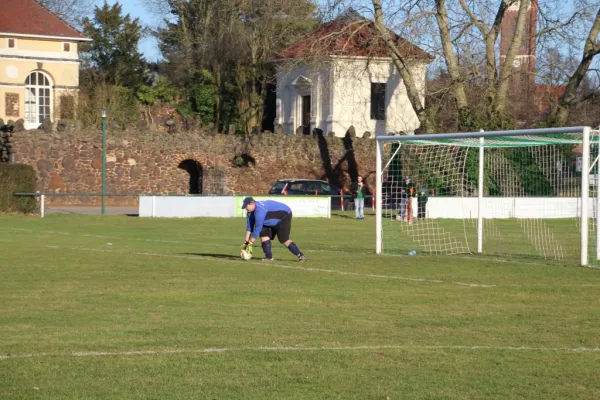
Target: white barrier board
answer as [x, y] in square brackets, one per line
[302, 206]
[505, 207]
[187, 207]
[227, 206]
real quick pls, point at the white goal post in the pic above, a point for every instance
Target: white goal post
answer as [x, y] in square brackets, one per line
[522, 193]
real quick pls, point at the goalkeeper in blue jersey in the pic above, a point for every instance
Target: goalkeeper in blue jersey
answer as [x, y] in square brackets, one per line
[267, 219]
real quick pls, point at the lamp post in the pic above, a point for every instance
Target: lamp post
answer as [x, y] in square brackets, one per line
[104, 111]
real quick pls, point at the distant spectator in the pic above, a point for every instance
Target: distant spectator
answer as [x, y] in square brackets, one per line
[359, 191]
[422, 203]
[407, 192]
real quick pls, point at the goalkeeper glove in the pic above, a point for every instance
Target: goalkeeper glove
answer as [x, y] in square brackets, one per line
[247, 246]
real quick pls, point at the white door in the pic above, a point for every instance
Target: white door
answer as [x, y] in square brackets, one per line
[38, 99]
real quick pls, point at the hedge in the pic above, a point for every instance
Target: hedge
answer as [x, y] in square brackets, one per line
[17, 178]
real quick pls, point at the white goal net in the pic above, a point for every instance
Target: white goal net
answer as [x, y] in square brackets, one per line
[510, 193]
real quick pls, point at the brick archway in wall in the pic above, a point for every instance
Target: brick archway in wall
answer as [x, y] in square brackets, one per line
[204, 176]
[196, 174]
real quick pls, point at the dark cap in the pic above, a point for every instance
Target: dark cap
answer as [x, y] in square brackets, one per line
[247, 201]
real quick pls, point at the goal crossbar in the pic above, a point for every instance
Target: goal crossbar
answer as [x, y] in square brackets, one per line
[498, 139]
[485, 134]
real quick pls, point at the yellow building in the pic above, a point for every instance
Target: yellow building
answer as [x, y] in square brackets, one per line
[39, 63]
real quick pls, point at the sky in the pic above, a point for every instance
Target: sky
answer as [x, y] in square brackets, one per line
[138, 9]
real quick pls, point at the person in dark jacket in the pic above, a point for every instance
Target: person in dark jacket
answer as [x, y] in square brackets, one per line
[359, 191]
[267, 219]
[422, 201]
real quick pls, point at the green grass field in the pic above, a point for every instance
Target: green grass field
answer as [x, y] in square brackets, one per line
[121, 307]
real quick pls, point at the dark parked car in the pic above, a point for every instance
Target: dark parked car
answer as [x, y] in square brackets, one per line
[300, 187]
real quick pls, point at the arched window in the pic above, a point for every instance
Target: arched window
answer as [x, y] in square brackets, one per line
[38, 98]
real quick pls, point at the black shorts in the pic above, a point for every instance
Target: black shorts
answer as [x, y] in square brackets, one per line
[281, 230]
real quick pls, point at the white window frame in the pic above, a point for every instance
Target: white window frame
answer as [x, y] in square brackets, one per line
[303, 86]
[29, 123]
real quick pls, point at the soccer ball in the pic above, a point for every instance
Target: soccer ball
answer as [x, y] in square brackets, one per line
[246, 255]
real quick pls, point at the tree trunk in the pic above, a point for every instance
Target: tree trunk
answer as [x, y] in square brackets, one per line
[490, 36]
[217, 74]
[184, 33]
[451, 58]
[409, 82]
[569, 98]
[501, 103]
[254, 96]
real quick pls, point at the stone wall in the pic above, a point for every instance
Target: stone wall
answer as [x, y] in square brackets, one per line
[146, 162]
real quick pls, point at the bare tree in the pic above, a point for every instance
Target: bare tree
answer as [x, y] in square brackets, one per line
[402, 64]
[71, 11]
[452, 63]
[497, 82]
[489, 34]
[570, 98]
[469, 32]
[501, 103]
[558, 26]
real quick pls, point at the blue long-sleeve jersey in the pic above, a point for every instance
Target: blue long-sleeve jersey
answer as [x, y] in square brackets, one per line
[266, 213]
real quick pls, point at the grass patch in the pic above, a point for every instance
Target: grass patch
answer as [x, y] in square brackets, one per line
[121, 307]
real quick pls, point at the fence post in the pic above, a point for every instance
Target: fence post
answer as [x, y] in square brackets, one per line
[342, 199]
[42, 205]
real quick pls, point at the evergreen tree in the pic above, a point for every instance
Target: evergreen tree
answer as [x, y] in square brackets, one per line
[113, 52]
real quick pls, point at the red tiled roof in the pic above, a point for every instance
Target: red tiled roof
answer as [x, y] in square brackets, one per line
[349, 38]
[28, 17]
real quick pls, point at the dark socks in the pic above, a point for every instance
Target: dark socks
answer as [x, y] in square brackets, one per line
[294, 249]
[266, 246]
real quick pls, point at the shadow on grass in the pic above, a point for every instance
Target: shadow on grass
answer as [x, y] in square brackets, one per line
[212, 255]
[343, 216]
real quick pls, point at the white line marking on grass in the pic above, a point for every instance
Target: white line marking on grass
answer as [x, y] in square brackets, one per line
[471, 257]
[298, 348]
[160, 240]
[331, 271]
[81, 248]
[124, 353]
[499, 260]
[282, 266]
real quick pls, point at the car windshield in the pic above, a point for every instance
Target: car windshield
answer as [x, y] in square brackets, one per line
[278, 186]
